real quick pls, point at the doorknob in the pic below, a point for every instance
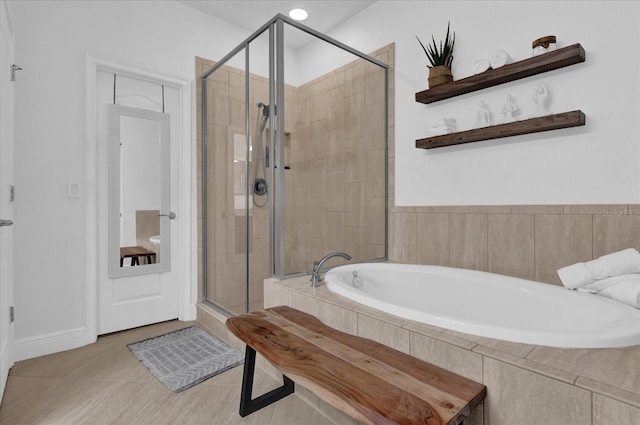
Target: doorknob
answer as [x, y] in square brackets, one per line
[4, 223]
[171, 215]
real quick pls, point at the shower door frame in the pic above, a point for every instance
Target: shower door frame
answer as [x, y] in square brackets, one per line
[275, 27]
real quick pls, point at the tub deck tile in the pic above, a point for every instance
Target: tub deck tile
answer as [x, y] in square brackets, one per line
[610, 391]
[531, 366]
[324, 294]
[607, 411]
[449, 338]
[513, 348]
[617, 367]
[423, 328]
[516, 396]
[447, 356]
[439, 334]
[391, 319]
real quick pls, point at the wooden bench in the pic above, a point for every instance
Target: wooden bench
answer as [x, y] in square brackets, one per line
[368, 381]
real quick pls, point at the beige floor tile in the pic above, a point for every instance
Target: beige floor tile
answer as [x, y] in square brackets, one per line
[103, 383]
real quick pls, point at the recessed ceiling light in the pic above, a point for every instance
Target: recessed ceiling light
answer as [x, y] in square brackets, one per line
[298, 14]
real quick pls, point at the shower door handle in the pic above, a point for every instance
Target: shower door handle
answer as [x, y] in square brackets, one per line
[6, 223]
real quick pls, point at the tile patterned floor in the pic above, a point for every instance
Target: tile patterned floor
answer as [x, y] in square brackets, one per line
[103, 383]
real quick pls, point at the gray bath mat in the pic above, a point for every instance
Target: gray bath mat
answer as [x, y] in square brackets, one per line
[186, 357]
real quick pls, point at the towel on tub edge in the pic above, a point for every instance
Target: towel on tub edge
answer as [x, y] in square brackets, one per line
[624, 288]
[615, 264]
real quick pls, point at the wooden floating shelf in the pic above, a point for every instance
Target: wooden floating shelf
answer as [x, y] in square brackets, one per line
[556, 59]
[532, 125]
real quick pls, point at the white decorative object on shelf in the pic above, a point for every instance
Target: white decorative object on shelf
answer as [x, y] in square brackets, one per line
[438, 127]
[483, 116]
[481, 65]
[540, 49]
[510, 110]
[541, 96]
[499, 58]
[543, 45]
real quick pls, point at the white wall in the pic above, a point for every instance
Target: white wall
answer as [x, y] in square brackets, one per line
[52, 39]
[598, 163]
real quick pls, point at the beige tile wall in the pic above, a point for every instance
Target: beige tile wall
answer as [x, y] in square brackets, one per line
[530, 242]
[337, 152]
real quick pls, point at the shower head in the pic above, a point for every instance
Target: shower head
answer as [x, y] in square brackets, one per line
[265, 115]
[265, 110]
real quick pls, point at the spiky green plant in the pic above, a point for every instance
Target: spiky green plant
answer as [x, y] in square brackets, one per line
[442, 55]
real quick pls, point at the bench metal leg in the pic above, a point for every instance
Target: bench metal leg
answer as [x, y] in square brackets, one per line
[248, 405]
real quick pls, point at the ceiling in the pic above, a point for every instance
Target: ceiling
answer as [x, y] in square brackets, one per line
[250, 15]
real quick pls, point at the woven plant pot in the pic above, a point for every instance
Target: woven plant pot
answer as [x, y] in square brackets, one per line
[439, 75]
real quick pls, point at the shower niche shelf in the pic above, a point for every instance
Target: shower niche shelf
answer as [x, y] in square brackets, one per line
[532, 125]
[556, 59]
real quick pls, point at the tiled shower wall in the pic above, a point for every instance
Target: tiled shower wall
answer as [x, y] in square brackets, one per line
[336, 185]
[530, 242]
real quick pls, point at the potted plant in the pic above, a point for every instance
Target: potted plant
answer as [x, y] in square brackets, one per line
[440, 58]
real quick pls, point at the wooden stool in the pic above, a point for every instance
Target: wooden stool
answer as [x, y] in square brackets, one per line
[135, 252]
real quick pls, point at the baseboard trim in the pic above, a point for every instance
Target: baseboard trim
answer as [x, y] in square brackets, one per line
[189, 314]
[41, 345]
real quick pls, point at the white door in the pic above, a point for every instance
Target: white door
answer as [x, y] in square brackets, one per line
[6, 200]
[141, 293]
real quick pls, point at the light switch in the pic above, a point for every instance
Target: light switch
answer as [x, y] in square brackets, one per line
[73, 189]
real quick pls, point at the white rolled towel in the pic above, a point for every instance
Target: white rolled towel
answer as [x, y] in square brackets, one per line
[602, 284]
[499, 58]
[618, 263]
[575, 276]
[625, 289]
[481, 65]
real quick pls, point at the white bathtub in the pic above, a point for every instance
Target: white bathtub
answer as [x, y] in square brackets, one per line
[490, 305]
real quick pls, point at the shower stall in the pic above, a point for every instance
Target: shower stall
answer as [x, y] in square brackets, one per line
[293, 159]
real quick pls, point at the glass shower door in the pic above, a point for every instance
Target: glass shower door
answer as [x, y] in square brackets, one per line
[225, 178]
[236, 179]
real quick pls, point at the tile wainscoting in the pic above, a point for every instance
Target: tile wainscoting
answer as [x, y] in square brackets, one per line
[530, 242]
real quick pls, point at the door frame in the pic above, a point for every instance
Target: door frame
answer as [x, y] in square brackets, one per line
[186, 209]
[7, 30]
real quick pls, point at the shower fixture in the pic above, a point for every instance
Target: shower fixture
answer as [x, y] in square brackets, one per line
[260, 182]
